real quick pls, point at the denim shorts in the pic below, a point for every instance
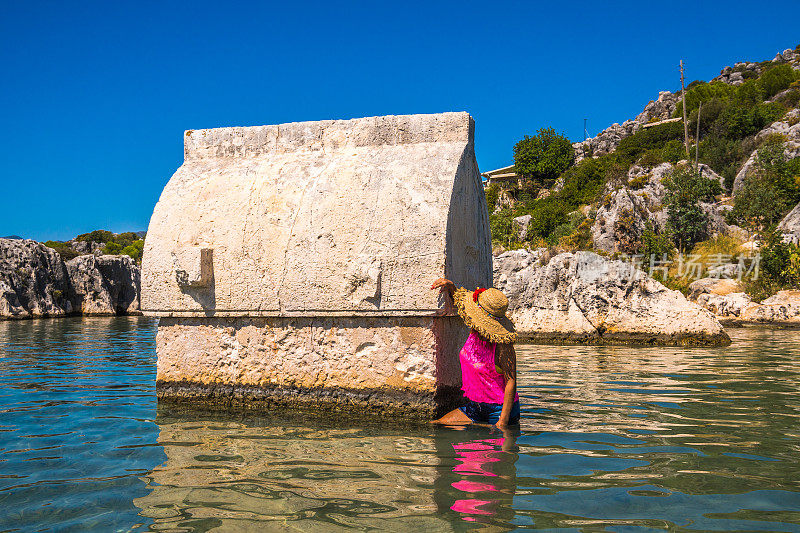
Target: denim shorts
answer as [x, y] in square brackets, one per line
[489, 413]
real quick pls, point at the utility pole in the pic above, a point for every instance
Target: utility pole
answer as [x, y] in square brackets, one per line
[685, 122]
[697, 140]
[585, 133]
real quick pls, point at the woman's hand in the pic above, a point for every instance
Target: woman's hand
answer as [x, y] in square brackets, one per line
[447, 287]
[444, 285]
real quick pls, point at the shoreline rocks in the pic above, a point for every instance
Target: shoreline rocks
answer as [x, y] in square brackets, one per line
[104, 285]
[732, 307]
[583, 297]
[35, 282]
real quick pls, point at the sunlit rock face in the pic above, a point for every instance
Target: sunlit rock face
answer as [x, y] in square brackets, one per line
[585, 298]
[295, 260]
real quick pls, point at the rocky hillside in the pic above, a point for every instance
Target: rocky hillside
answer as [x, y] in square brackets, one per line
[35, 281]
[633, 190]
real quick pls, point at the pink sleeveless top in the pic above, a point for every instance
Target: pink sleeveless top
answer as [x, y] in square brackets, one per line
[480, 381]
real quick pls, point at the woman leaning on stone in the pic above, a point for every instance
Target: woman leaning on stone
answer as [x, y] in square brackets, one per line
[488, 360]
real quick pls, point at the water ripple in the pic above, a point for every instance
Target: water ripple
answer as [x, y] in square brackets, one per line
[612, 438]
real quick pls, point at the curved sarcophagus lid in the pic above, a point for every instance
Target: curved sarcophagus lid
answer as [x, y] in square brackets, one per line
[340, 217]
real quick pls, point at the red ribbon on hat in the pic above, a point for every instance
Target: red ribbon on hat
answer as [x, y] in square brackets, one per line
[477, 293]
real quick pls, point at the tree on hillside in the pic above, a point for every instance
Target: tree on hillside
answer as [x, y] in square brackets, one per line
[543, 157]
[769, 191]
[687, 221]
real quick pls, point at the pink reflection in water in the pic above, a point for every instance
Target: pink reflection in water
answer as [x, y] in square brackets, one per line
[484, 466]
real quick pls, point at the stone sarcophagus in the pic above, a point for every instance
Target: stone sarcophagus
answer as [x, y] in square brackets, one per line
[291, 265]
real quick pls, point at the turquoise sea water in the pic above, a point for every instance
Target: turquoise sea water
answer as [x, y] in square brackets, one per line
[613, 438]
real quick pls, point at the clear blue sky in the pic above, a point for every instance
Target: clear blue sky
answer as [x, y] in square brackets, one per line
[95, 96]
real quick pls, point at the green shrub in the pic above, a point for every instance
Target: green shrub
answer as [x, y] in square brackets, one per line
[777, 79]
[584, 182]
[709, 114]
[725, 156]
[546, 215]
[673, 151]
[633, 146]
[112, 248]
[639, 181]
[651, 158]
[778, 268]
[748, 94]
[656, 244]
[790, 99]
[544, 156]
[567, 228]
[579, 239]
[63, 249]
[134, 250]
[704, 92]
[492, 194]
[500, 226]
[772, 163]
[687, 221]
[758, 204]
[739, 121]
[98, 235]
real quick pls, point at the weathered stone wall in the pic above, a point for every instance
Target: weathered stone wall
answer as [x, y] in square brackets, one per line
[294, 261]
[403, 366]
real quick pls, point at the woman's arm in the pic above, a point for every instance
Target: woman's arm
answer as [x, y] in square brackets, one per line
[506, 361]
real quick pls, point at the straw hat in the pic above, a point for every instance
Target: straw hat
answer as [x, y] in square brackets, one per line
[485, 311]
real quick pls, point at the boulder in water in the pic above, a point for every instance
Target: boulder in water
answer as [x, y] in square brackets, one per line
[33, 280]
[583, 297]
[104, 285]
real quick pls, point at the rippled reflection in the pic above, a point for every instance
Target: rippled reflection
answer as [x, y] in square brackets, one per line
[613, 438]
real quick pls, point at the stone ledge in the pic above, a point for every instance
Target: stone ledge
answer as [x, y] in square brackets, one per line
[254, 141]
[382, 402]
[239, 313]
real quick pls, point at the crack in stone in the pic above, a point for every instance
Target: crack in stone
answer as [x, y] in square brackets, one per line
[312, 184]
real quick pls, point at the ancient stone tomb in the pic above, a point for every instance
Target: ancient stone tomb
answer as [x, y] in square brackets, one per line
[290, 265]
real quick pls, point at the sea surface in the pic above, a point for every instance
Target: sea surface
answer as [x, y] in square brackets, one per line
[613, 439]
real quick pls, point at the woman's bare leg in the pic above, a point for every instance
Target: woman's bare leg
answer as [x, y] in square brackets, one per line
[456, 417]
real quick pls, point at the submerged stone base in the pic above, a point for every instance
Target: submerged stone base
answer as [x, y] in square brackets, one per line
[398, 366]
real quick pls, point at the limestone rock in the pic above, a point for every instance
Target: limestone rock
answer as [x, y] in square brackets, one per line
[36, 282]
[722, 297]
[780, 308]
[86, 247]
[33, 280]
[584, 297]
[104, 285]
[521, 226]
[718, 286]
[736, 75]
[624, 211]
[726, 306]
[790, 225]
